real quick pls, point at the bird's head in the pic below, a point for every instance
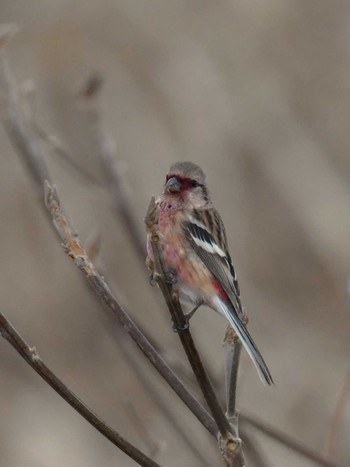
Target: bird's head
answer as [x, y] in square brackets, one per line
[186, 182]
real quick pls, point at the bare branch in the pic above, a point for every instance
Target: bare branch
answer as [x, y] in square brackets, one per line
[32, 357]
[233, 348]
[230, 445]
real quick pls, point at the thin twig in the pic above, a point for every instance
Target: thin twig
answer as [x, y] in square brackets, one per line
[230, 445]
[233, 348]
[287, 441]
[32, 357]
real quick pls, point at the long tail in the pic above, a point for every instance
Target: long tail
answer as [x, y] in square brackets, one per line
[228, 311]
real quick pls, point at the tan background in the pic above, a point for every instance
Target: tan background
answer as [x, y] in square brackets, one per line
[257, 92]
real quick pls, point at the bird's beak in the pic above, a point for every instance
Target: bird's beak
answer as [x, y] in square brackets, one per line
[173, 185]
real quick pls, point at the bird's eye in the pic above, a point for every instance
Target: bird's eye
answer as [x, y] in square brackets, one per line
[194, 184]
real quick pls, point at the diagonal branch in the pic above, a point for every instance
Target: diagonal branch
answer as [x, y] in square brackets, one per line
[30, 355]
[230, 445]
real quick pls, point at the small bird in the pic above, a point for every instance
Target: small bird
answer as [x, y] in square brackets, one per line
[195, 250]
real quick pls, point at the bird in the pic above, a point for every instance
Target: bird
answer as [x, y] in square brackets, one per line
[195, 250]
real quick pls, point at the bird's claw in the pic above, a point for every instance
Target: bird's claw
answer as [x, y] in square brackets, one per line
[171, 277]
[187, 317]
[179, 329]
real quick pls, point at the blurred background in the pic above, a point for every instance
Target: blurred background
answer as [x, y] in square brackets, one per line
[258, 94]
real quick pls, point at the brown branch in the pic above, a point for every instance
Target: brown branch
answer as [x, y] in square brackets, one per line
[229, 444]
[287, 441]
[31, 356]
[77, 253]
[233, 348]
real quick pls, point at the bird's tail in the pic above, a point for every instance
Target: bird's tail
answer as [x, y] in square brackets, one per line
[228, 311]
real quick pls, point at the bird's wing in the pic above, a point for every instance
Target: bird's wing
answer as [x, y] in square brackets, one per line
[205, 231]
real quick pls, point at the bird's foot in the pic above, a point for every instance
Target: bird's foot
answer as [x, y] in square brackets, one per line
[179, 328]
[187, 317]
[171, 277]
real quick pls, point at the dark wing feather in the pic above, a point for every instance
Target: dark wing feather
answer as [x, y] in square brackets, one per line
[206, 234]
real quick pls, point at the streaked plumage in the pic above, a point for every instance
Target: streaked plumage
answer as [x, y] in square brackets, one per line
[195, 248]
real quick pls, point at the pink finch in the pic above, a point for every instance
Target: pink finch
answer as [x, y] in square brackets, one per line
[195, 250]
